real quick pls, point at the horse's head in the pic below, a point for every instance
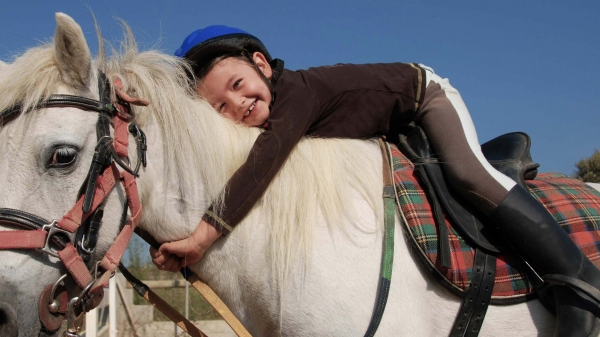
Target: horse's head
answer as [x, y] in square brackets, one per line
[52, 118]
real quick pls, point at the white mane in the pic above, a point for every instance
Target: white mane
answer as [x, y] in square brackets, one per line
[30, 78]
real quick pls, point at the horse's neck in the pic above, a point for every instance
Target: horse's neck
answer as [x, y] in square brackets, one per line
[167, 214]
[168, 217]
[239, 270]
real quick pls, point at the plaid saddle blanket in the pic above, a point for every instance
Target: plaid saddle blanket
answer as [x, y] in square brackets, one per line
[574, 205]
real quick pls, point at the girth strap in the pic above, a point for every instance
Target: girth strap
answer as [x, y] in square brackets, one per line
[477, 298]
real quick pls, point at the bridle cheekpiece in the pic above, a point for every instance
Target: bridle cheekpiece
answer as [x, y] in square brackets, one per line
[73, 238]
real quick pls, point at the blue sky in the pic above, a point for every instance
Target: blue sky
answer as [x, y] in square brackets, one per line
[520, 65]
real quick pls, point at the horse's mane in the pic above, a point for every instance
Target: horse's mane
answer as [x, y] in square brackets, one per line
[30, 78]
[200, 145]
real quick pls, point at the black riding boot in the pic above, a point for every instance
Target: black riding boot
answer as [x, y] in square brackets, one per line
[538, 239]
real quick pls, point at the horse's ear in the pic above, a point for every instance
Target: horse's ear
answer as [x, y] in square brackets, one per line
[72, 52]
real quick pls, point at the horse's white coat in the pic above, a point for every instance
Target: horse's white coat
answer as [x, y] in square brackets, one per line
[595, 186]
[304, 262]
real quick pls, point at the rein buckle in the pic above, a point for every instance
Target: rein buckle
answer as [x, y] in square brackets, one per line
[52, 230]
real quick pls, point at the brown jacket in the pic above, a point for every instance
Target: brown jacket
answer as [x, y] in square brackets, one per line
[342, 101]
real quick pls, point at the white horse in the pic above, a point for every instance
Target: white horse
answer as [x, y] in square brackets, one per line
[304, 262]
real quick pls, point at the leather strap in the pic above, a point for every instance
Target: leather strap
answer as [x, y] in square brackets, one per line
[75, 265]
[75, 217]
[204, 290]
[113, 256]
[573, 283]
[125, 97]
[477, 298]
[53, 320]
[121, 142]
[12, 112]
[440, 220]
[21, 219]
[23, 239]
[216, 303]
[387, 259]
[143, 290]
[99, 164]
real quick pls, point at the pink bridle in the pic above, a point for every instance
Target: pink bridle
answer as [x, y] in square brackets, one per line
[111, 152]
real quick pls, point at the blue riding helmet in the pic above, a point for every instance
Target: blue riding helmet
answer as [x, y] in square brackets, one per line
[203, 45]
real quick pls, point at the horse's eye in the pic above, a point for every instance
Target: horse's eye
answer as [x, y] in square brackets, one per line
[63, 157]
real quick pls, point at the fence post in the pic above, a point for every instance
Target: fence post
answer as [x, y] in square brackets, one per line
[112, 307]
[91, 323]
[187, 300]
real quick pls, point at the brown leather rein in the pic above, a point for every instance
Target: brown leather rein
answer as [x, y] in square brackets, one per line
[73, 238]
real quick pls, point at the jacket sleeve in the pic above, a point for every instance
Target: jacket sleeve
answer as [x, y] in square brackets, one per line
[292, 114]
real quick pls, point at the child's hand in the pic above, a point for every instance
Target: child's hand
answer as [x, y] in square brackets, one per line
[165, 260]
[172, 256]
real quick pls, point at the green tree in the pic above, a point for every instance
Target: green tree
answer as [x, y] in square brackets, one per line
[588, 169]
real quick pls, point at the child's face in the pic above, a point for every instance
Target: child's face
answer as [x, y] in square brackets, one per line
[235, 90]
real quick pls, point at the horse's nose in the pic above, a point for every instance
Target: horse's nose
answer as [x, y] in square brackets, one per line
[8, 320]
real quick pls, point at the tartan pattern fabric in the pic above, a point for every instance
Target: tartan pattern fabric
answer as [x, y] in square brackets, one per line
[574, 205]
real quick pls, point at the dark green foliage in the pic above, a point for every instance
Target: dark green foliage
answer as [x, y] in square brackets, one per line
[588, 169]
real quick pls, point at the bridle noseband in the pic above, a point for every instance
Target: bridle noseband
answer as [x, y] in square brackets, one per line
[73, 238]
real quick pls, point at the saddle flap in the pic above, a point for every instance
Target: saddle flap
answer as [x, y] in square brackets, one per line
[508, 154]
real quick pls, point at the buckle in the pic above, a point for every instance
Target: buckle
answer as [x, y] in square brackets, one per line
[52, 230]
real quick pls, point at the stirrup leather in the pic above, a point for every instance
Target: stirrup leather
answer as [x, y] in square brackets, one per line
[573, 283]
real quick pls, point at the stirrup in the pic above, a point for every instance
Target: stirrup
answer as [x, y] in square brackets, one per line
[573, 283]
